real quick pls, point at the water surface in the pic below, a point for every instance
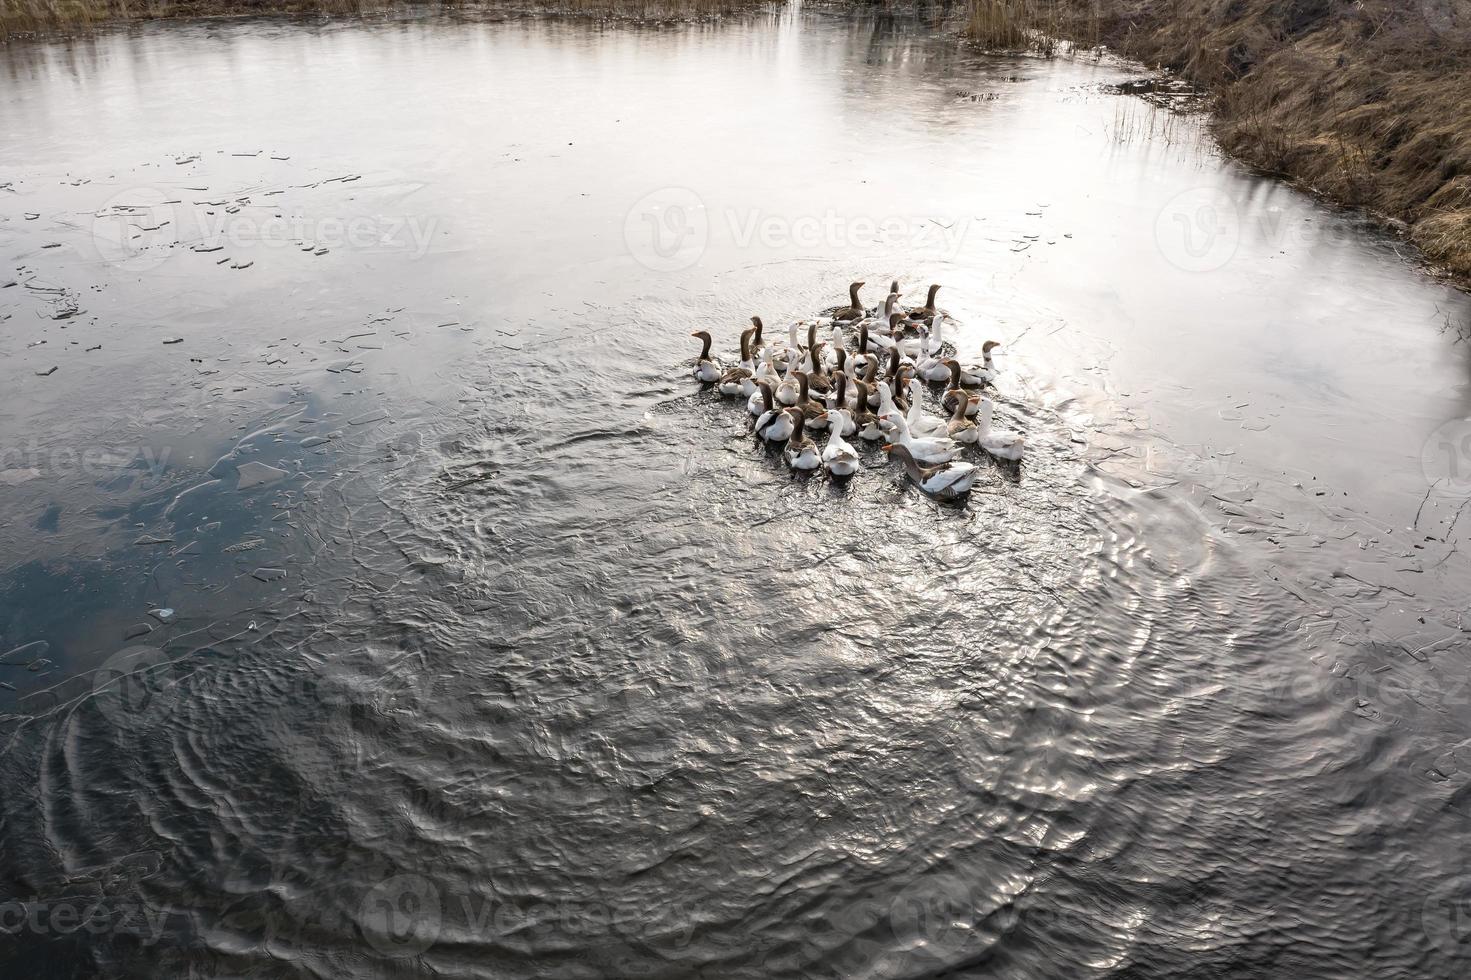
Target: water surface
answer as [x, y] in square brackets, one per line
[522, 659]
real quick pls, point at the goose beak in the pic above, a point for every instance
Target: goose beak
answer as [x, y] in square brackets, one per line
[886, 448]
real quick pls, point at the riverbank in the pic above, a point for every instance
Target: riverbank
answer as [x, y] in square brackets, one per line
[20, 18]
[1364, 102]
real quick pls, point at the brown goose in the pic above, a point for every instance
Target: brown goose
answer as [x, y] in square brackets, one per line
[707, 371]
[928, 309]
[840, 357]
[966, 376]
[871, 383]
[737, 380]
[960, 428]
[817, 378]
[855, 308]
[864, 420]
[956, 397]
[801, 452]
[774, 424]
[812, 409]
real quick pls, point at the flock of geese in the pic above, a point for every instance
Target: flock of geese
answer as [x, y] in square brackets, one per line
[871, 390]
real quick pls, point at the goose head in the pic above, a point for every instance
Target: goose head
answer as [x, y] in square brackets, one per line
[903, 455]
[798, 420]
[704, 336]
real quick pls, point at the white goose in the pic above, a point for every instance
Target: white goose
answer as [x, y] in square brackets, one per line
[880, 336]
[929, 364]
[838, 457]
[929, 450]
[788, 389]
[932, 369]
[774, 424]
[948, 481]
[886, 399]
[934, 335]
[1001, 443]
[792, 352]
[766, 371]
[837, 342]
[920, 423]
[911, 347]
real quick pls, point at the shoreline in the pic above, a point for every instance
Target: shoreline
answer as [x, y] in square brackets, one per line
[1361, 105]
[42, 20]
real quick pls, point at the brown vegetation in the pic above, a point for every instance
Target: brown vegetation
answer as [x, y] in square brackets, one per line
[32, 16]
[1366, 102]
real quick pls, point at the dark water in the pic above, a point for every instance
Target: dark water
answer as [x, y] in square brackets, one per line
[523, 660]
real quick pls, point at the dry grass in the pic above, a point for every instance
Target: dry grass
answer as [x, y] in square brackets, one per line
[1038, 25]
[19, 17]
[1366, 102]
